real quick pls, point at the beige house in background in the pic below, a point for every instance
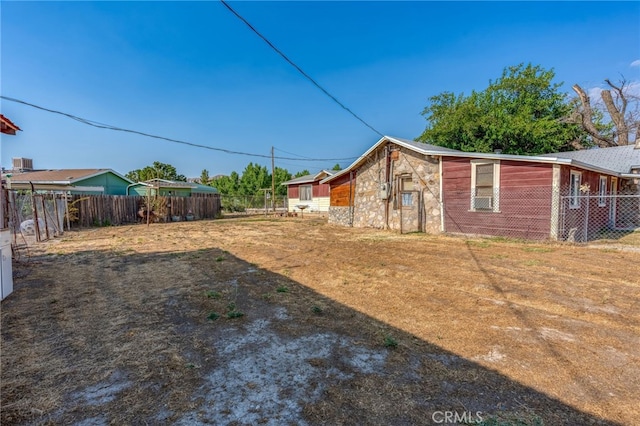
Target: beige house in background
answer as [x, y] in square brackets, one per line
[307, 194]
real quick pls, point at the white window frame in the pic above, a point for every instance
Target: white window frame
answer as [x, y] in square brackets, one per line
[310, 192]
[495, 199]
[575, 180]
[602, 191]
[406, 194]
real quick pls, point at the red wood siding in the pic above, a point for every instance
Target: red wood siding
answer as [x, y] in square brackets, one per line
[318, 189]
[340, 191]
[525, 200]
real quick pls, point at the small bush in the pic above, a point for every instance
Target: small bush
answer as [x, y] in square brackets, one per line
[213, 294]
[390, 342]
[234, 314]
[213, 316]
[316, 309]
[282, 289]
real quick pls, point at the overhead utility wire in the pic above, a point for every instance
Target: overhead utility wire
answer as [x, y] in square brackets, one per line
[291, 153]
[119, 129]
[315, 83]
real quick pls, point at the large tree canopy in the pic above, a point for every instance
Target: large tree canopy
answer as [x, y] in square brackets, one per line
[156, 171]
[522, 112]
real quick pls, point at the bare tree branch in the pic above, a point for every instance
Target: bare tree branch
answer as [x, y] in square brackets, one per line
[617, 115]
[586, 118]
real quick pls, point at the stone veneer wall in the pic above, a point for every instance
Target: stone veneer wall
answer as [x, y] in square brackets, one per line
[339, 216]
[369, 209]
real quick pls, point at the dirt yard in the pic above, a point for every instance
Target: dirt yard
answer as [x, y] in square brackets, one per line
[293, 321]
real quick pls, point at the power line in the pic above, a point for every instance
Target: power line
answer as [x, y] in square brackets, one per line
[307, 76]
[291, 153]
[196, 145]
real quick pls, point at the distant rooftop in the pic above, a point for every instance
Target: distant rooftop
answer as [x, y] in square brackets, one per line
[59, 176]
[618, 158]
[7, 126]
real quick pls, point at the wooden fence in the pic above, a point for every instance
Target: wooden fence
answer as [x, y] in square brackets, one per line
[48, 215]
[104, 210]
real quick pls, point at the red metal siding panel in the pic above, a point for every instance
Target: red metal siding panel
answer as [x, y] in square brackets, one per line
[320, 190]
[525, 200]
[514, 174]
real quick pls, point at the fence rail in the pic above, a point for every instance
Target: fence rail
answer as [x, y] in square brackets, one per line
[48, 215]
[595, 217]
[252, 203]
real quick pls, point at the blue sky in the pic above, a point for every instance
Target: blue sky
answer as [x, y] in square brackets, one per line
[192, 71]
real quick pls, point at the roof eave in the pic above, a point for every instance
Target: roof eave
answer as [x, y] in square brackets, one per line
[355, 162]
[41, 182]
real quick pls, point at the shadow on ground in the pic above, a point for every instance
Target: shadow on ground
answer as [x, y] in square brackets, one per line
[203, 337]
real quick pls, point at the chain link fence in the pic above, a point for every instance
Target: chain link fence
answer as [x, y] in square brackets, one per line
[541, 214]
[253, 204]
[596, 217]
[40, 216]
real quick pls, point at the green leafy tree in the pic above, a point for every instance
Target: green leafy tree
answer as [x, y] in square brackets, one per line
[227, 185]
[156, 171]
[302, 173]
[281, 175]
[337, 167]
[523, 112]
[254, 178]
[204, 177]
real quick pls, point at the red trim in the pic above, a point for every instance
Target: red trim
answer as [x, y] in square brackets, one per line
[7, 126]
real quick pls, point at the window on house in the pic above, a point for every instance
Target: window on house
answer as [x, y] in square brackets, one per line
[306, 193]
[406, 188]
[602, 192]
[574, 189]
[485, 180]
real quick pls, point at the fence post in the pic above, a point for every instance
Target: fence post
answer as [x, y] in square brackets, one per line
[44, 215]
[35, 214]
[586, 221]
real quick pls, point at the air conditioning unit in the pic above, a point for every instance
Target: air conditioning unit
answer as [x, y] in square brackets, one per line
[483, 203]
[22, 163]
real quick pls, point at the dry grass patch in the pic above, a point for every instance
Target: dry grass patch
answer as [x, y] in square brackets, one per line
[295, 321]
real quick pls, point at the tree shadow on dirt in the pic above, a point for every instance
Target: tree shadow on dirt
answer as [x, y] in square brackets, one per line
[203, 337]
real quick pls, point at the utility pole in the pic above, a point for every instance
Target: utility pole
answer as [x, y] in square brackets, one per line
[273, 183]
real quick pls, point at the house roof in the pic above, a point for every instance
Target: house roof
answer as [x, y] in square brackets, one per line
[620, 159]
[309, 178]
[617, 160]
[61, 176]
[419, 147]
[165, 183]
[7, 126]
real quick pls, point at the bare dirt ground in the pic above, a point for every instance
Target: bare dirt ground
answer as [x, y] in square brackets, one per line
[293, 321]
